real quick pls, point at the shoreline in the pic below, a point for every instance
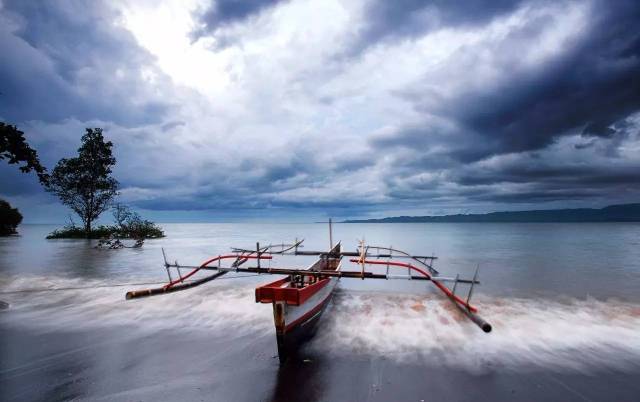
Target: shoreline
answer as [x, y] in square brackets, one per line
[118, 365]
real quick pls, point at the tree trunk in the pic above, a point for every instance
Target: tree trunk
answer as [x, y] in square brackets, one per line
[87, 227]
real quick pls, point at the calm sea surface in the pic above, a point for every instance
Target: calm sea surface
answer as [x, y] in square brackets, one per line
[522, 260]
[564, 301]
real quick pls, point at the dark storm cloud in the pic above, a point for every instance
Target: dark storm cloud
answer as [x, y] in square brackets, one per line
[267, 174]
[598, 169]
[590, 90]
[573, 176]
[353, 163]
[209, 203]
[171, 125]
[63, 60]
[534, 197]
[550, 175]
[224, 12]
[260, 184]
[595, 84]
[392, 20]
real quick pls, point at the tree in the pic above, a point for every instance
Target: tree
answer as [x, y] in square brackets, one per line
[10, 218]
[84, 183]
[14, 148]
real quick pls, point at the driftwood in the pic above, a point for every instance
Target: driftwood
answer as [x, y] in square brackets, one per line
[114, 243]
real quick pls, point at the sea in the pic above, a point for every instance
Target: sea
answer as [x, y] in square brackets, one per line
[563, 300]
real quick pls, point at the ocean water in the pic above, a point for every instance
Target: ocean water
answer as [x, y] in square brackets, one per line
[562, 298]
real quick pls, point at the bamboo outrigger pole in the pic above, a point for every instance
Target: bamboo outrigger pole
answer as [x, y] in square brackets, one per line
[464, 306]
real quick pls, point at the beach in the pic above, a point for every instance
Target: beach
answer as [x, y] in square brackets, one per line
[73, 336]
[114, 366]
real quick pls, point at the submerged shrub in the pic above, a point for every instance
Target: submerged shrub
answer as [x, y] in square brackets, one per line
[77, 232]
[128, 225]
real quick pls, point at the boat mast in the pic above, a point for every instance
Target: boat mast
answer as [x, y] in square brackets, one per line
[330, 235]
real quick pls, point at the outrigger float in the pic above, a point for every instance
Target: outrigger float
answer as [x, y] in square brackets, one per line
[300, 298]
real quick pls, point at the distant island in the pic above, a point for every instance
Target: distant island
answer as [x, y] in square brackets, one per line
[612, 213]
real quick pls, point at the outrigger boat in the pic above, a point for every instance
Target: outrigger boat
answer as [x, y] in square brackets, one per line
[300, 298]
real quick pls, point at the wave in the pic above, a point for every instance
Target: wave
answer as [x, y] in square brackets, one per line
[564, 334]
[94, 303]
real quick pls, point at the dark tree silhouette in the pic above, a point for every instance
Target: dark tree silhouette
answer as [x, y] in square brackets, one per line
[84, 183]
[14, 148]
[10, 218]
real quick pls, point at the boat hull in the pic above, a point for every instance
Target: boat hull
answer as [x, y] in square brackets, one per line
[299, 323]
[299, 300]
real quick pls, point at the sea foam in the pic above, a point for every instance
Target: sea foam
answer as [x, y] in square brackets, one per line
[563, 334]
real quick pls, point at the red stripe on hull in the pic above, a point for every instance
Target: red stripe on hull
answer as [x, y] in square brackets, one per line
[308, 314]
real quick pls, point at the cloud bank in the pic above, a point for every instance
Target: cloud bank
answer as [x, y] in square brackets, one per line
[360, 108]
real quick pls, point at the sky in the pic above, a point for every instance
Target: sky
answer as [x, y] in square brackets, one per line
[298, 110]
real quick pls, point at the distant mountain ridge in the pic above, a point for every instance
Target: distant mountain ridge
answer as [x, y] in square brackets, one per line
[612, 213]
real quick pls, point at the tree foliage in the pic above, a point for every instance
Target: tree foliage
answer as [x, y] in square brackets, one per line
[10, 218]
[84, 183]
[131, 225]
[15, 148]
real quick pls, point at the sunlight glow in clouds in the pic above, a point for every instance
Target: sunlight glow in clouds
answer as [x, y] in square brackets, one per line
[164, 30]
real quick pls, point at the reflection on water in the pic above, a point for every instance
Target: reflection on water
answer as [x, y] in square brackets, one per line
[301, 375]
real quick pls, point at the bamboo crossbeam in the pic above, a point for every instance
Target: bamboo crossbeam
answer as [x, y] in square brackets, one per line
[331, 273]
[341, 254]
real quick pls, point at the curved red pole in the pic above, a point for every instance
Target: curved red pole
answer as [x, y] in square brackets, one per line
[214, 259]
[440, 286]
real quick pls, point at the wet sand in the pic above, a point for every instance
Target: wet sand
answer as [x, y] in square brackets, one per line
[119, 365]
